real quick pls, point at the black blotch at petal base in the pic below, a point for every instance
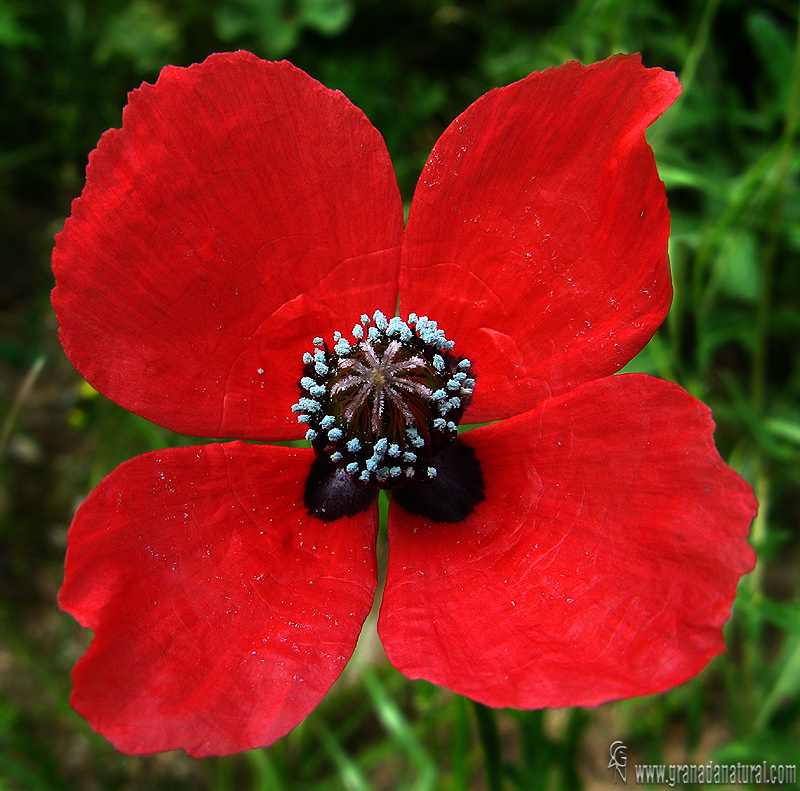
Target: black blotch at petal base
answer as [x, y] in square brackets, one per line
[455, 491]
[330, 493]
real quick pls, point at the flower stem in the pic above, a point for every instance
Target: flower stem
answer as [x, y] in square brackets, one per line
[461, 746]
[536, 751]
[776, 185]
[22, 395]
[689, 69]
[490, 739]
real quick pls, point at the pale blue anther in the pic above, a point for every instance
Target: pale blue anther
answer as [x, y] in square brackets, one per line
[464, 364]
[317, 391]
[438, 362]
[469, 382]
[335, 434]
[319, 355]
[412, 318]
[343, 347]
[364, 319]
[309, 405]
[460, 376]
[453, 384]
[448, 345]
[394, 450]
[380, 320]
[337, 336]
[354, 445]
[452, 426]
[358, 332]
[297, 408]
[336, 456]
[439, 423]
[439, 395]
[373, 335]
[303, 419]
[382, 474]
[431, 472]
[371, 464]
[395, 471]
[381, 447]
[409, 457]
[430, 334]
[307, 358]
[311, 435]
[351, 468]
[327, 422]
[307, 383]
[318, 341]
[398, 327]
[364, 476]
[321, 369]
[427, 327]
[409, 472]
[455, 402]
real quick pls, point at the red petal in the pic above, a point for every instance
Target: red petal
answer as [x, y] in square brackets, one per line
[538, 233]
[241, 210]
[602, 564]
[222, 611]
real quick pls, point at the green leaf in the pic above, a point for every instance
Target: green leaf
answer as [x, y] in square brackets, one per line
[774, 748]
[142, 34]
[350, 775]
[738, 267]
[774, 49]
[399, 728]
[328, 17]
[784, 429]
[784, 615]
[267, 21]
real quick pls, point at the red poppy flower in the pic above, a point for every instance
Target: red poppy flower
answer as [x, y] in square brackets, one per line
[583, 548]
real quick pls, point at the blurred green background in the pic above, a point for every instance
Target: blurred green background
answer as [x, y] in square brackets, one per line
[728, 154]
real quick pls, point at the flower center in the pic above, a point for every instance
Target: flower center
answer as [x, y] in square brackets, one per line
[381, 407]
